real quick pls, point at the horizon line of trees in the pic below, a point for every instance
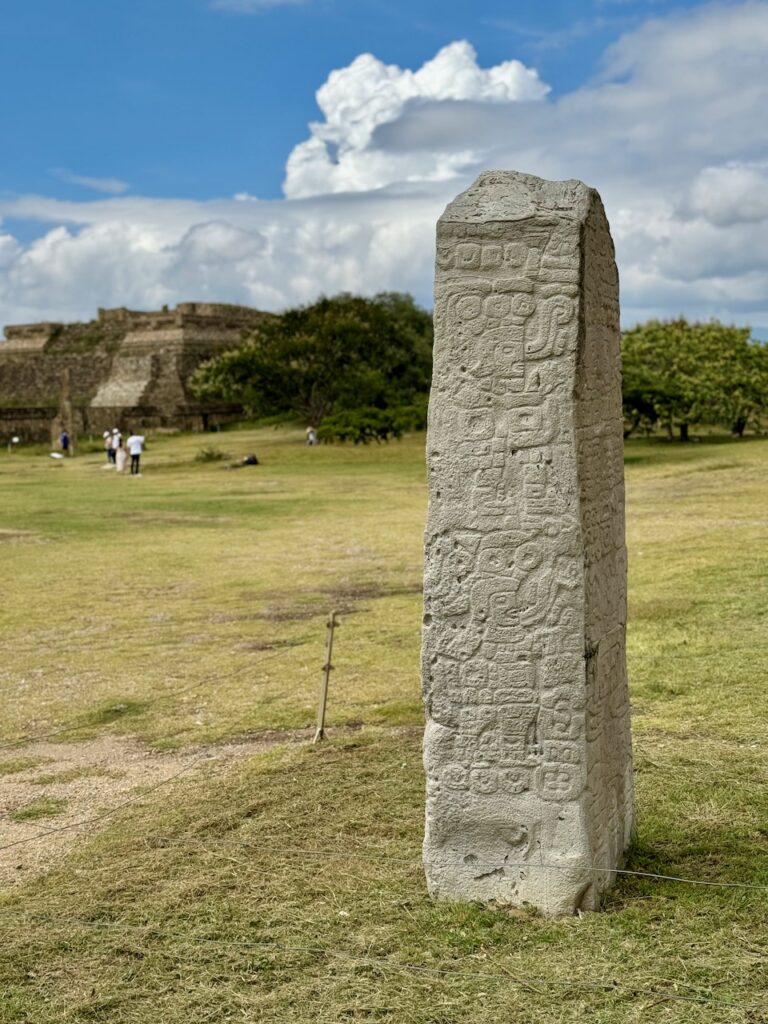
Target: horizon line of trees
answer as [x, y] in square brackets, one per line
[359, 369]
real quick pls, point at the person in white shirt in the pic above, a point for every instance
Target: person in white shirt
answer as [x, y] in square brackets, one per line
[135, 447]
[121, 457]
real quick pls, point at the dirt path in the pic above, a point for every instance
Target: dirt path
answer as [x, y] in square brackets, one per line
[70, 785]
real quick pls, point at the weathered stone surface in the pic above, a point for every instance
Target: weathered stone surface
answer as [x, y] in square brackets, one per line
[527, 745]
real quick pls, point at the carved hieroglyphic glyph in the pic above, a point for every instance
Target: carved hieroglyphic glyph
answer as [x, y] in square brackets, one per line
[527, 745]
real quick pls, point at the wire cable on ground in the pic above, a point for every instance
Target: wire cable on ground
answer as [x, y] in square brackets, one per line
[292, 851]
[110, 812]
[198, 759]
[527, 865]
[77, 722]
[523, 865]
[414, 861]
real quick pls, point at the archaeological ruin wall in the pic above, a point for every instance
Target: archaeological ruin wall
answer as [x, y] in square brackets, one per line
[125, 367]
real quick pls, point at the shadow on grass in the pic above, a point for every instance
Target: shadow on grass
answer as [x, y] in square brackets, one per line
[653, 450]
[113, 712]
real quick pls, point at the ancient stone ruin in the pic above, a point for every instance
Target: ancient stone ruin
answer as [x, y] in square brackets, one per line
[527, 744]
[125, 368]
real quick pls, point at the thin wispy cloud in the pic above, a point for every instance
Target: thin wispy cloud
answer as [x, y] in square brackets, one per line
[253, 6]
[541, 40]
[625, 3]
[112, 186]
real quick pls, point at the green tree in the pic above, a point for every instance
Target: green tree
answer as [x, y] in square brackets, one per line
[340, 353]
[744, 396]
[680, 374]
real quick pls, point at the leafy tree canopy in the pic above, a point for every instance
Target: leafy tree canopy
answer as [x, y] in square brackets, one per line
[340, 353]
[678, 374]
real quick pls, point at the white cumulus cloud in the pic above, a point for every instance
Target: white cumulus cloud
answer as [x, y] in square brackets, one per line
[341, 154]
[146, 252]
[734, 193]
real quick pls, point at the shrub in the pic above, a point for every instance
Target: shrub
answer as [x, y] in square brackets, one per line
[211, 454]
[360, 425]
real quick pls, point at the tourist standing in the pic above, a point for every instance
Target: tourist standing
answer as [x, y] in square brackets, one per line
[121, 456]
[311, 436]
[64, 440]
[108, 447]
[135, 447]
[117, 440]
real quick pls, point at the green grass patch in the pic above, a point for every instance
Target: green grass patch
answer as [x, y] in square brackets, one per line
[14, 765]
[201, 594]
[68, 775]
[46, 807]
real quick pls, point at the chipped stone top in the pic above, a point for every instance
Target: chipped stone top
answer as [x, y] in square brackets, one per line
[512, 196]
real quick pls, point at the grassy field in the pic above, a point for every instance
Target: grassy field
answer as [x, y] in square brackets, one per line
[213, 581]
[186, 608]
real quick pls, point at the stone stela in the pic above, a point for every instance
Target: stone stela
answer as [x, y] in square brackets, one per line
[527, 745]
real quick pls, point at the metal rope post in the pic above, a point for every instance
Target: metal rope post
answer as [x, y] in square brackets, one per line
[327, 667]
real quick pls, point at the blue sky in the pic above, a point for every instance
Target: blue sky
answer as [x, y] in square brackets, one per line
[180, 97]
[161, 150]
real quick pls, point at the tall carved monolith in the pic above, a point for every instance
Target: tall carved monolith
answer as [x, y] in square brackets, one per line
[527, 745]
